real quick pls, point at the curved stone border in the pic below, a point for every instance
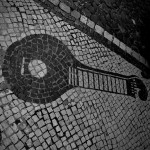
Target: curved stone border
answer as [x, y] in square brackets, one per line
[98, 29]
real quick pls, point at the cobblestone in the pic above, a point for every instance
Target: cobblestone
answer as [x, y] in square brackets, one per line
[75, 14]
[83, 19]
[44, 111]
[99, 29]
[90, 23]
[55, 2]
[64, 7]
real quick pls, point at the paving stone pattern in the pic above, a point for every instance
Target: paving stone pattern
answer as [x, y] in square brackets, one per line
[40, 68]
[124, 19]
[80, 118]
[95, 31]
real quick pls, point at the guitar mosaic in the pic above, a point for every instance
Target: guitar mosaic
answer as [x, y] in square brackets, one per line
[40, 68]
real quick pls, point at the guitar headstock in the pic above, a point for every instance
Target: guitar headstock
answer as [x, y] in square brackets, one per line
[135, 85]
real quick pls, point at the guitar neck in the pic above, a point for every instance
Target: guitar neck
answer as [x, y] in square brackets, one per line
[89, 79]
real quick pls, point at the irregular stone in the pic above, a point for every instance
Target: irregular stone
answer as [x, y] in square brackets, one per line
[92, 9]
[96, 1]
[83, 19]
[70, 4]
[122, 30]
[90, 23]
[109, 2]
[147, 64]
[99, 29]
[75, 14]
[87, 5]
[86, 12]
[55, 2]
[105, 8]
[100, 24]
[3, 9]
[102, 19]
[107, 17]
[94, 18]
[123, 15]
[64, 7]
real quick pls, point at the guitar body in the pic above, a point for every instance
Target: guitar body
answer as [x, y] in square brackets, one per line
[58, 60]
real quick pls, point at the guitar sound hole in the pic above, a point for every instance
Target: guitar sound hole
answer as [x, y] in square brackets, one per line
[37, 68]
[38, 73]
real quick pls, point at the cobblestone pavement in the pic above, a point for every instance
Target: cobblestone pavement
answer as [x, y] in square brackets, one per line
[127, 20]
[60, 89]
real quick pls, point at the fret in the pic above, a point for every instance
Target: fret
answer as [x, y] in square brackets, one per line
[105, 83]
[110, 84]
[101, 82]
[125, 86]
[96, 81]
[69, 75]
[113, 84]
[72, 76]
[22, 66]
[121, 86]
[80, 78]
[118, 86]
[75, 76]
[91, 80]
[85, 76]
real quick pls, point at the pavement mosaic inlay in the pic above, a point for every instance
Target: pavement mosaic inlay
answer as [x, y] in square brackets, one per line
[62, 90]
[30, 79]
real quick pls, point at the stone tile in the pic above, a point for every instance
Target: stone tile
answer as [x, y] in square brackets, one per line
[92, 54]
[147, 64]
[64, 96]
[64, 7]
[91, 24]
[108, 36]
[135, 55]
[75, 14]
[12, 147]
[99, 29]
[116, 41]
[14, 138]
[83, 19]
[36, 143]
[122, 46]
[59, 144]
[142, 59]
[128, 50]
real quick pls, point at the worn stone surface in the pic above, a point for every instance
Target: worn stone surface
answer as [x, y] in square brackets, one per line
[99, 29]
[64, 7]
[100, 110]
[83, 19]
[91, 24]
[128, 21]
[116, 41]
[108, 36]
[55, 2]
[75, 14]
